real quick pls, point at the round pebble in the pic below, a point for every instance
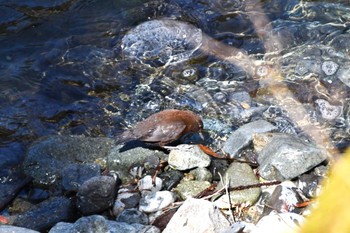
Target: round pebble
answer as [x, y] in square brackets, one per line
[329, 67]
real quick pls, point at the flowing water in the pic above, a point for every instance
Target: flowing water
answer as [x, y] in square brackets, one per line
[96, 67]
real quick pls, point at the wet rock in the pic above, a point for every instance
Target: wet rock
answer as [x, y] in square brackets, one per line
[47, 157]
[244, 135]
[120, 161]
[133, 216]
[14, 229]
[184, 157]
[96, 194]
[146, 184]
[161, 42]
[47, 214]
[238, 174]
[76, 174]
[202, 174]
[156, 201]
[208, 218]
[191, 188]
[97, 223]
[287, 157]
[279, 222]
[171, 179]
[10, 156]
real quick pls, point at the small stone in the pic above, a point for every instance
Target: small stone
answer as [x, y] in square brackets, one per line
[171, 179]
[146, 184]
[96, 194]
[344, 75]
[328, 111]
[301, 69]
[129, 197]
[279, 222]
[121, 161]
[118, 207]
[202, 174]
[287, 157]
[238, 174]
[156, 201]
[97, 223]
[133, 216]
[191, 188]
[329, 67]
[207, 218]
[244, 135]
[184, 157]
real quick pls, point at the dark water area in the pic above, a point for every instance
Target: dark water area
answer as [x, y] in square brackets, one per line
[64, 70]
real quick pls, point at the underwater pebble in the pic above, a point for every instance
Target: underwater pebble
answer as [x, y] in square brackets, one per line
[329, 67]
[244, 135]
[161, 42]
[328, 111]
[344, 75]
[188, 72]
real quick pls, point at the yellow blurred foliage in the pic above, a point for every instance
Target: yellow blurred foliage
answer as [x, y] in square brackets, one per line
[332, 213]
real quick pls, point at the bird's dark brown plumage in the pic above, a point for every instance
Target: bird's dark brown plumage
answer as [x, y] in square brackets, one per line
[164, 127]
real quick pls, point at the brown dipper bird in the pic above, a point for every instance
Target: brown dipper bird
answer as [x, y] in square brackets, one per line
[163, 127]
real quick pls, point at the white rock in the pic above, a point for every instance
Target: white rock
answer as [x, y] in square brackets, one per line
[156, 201]
[279, 222]
[184, 157]
[196, 216]
[146, 184]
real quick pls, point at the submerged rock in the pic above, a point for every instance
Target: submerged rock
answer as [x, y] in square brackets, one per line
[47, 157]
[244, 135]
[161, 42]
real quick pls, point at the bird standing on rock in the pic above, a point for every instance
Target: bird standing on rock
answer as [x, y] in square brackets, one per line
[163, 127]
